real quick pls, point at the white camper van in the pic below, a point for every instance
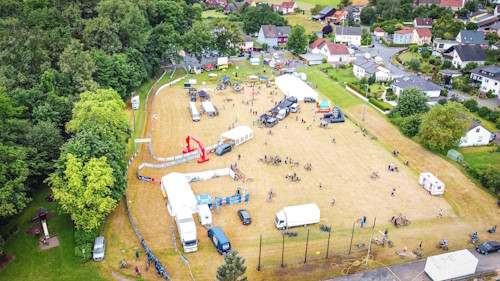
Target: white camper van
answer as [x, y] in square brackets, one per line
[194, 112]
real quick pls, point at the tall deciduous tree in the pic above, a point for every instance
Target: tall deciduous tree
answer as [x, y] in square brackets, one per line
[233, 269]
[78, 65]
[84, 191]
[227, 36]
[198, 40]
[297, 40]
[367, 15]
[411, 101]
[102, 33]
[443, 126]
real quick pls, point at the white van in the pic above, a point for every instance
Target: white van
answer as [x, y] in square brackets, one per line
[282, 114]
[194, 112]
[294, 108]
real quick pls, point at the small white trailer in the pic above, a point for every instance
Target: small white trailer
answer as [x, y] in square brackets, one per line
[204, 215]
[300, 215]
[431, 183]
[451, 265]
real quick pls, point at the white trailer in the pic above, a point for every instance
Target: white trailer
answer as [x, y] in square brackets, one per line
[451, 265]
[204, 215]
[187, 230]
[300, 215]
[431, 183]
[136, 102]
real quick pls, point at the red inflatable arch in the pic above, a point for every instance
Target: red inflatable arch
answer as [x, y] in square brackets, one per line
[203, 156]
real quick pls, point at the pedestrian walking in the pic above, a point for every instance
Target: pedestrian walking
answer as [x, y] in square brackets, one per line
[147, 266]
[386, 231]
[137, 271]
[420, 246]
[137, 255]
[364, 219]
[441, 213]
[362, 223]
[235, 119]
[392, 193]
[334, 140]
[239, 157]
[320, 185]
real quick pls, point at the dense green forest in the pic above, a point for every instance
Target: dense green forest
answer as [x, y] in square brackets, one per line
[66, 69]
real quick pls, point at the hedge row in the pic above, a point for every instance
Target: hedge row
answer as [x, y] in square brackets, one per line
[395, 45]
[356, 88]
[382, 105]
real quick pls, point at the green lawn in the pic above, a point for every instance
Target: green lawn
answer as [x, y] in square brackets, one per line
[342, 74]
[376, 88]
[212, 14]
[487, 124]
[425, 66]
[54, 264]
[332, 90]
[480, 155]
[300, 19]
[407, 56]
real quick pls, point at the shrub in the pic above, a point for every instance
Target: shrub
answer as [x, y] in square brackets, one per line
[356, 88]
[83, 237]
[442, 101]
[413, 49]
[324, 61]
[382, 105]
[396, 119]
[494, 115]
[443, 93]
[497, 123]
[447, 64]
[490, 94]
[410, 125]
[88, 251]
[389, 92]
[471, 105]
[483, 112]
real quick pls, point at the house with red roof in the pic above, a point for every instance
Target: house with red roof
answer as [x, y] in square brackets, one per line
[422, 22]
[403, 36]
[422, 36]
[338, 16]
[334, 53]
[215, 3]
[288, 8]
[379, 32]
[455, 5]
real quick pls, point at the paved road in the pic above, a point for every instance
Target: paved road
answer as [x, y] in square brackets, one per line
[385, 53]
[415, 270]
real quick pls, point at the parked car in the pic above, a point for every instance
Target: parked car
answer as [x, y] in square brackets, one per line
[99, 249]
[276, 48]
[488, 247]
[225, 148]
[448, 87]
[309, 100]
[270, 122]
[219, 239]
[493, 137]
[244, 216]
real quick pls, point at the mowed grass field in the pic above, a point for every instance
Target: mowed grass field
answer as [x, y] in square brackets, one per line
[480, 155]
[342, 168]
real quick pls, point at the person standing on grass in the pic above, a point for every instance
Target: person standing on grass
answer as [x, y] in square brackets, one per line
[362, 223]
[137, 271]
[441, 213]
[137, 255]
[420, 246]
[147, 266]
[320, 185]
[393, 190]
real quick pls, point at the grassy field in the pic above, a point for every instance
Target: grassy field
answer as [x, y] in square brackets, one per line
[212, 14]
[480, 155]
[300, 19]
[58, 263]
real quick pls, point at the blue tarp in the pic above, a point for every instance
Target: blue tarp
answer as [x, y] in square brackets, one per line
[205, 199]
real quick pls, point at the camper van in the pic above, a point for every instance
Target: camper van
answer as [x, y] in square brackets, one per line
[194, 112]
[204, 215]
[219, 239]
[283, 113]
[294, 107]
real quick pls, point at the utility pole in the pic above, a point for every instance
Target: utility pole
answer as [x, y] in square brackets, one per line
[366, 101]
[370, 246]
[307, 52]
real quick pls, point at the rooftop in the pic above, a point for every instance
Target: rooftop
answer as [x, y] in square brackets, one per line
[272, 31]
[468, 52]
[491, 71]
[471, 37]
[423, 21]
[404, 31]
[348, 30]
[424, 32]
[452, 3]
[415, 81]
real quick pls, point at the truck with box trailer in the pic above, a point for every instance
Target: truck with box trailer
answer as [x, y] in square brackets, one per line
[187, 230]
[300, 215]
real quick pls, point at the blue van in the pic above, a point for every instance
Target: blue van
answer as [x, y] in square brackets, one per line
[219, 239]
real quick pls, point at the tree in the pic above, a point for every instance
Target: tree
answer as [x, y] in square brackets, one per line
[163, 42]
[265, 47]
[443, 126]
[77, 64]
[327, 29]
[446, 27]
[472, 6]
[468, 67]
[255, 17]
[410, 125]
[344, 3]
[227, 36]
[84, 191]
[471, 105]
[367, 15]
[350, 18]
[411, 101]
[471, 26]
[297, 40]
[233, 269]
[46, 140]
[414, 64]
[102, 33]
[197, 40]
[313, 37]
[103, 107]
[315, 10]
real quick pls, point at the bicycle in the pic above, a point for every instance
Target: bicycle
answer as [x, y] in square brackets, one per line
[417, 253]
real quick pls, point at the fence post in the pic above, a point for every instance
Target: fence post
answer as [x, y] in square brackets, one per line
[352, 235]
[307, 244]
[283, 250]
[260, 249]
[328, 245]
[371, 237]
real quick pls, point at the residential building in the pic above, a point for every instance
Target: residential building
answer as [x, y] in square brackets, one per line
[312, 59]
[422, 36]
[288, 8]
[461, 55]
[367, 69]
[403, 36]
[324, 13]
[250, 3]
[349, 35]
[477, 14]
[422, 22]
[495, 47]
[476, 135]
[489, 77]
[273, 35]
[496, 12]
[430, 89]
[471, 37]
[338, 16]
[334, 53]
[215, 3]
[442, 45]
[417, 3]
[379, 32]
[494, 28]
[247, 42]
[232, 7]
[455, 5]
[485, 20]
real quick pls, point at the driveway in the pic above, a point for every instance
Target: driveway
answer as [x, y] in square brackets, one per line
[386, 54]
[414, 270]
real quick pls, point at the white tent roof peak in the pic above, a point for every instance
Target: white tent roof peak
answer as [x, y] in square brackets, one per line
[179, 193]
[293, 86]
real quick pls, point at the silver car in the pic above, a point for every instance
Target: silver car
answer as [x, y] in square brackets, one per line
[99, 249]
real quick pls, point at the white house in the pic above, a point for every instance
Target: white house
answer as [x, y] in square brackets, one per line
[461, 55]
[403, 36]
[366, 69]
[288, 7]
[379, 32]
[334, 53]
[273, 35]
[430, 89]
[442, 45]
[489, 77]
[348, 35]
[247, 42]
[476, 135]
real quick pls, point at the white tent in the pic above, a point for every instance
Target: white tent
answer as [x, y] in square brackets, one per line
[208, 107]
[293, 86]
[451, 265]
[179, 193]
[431, 183]
[238, 135]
